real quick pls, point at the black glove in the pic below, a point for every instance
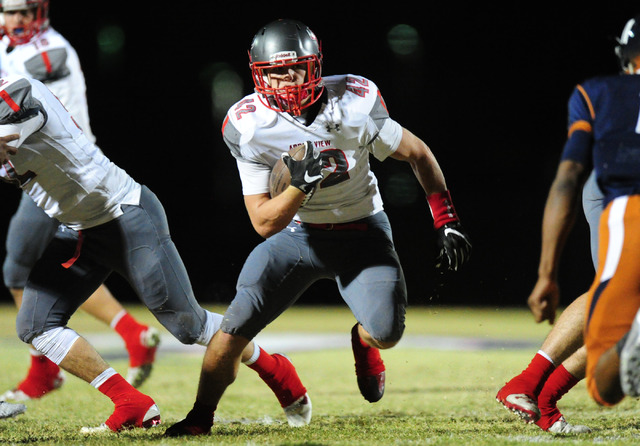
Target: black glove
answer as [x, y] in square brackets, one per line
[454, 247]
[307, 172]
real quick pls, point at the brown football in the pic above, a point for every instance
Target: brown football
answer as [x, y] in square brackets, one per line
[280, 176]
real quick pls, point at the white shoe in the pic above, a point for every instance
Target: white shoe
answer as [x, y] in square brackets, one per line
[151, 418]
[630, 361]
[562, 427]
[102, 429]
[136, 376]
[8, 410]
[15, 395]
[299, 413]
[522, 405]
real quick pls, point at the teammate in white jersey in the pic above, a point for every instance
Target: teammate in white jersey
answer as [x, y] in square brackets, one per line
[109, 223]
[32, 48]
[329, 223]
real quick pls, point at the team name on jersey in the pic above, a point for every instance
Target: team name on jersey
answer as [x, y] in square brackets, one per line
[316, 144]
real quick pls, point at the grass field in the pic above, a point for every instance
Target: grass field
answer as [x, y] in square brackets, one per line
[435, 394]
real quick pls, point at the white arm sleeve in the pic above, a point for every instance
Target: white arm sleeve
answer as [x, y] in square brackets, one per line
[387, 140]
[24, 129]
[254, 177]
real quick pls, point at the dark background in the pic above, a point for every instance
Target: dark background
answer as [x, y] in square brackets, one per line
[487, 91]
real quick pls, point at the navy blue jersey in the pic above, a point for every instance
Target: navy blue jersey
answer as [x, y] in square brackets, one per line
[604, 132]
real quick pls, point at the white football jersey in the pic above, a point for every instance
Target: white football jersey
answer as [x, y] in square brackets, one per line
[51, 59]
[56, 164]
[352, 123]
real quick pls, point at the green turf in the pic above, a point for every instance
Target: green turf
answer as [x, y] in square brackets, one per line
[433, 396]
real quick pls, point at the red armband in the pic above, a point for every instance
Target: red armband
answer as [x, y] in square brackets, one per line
[442, 208]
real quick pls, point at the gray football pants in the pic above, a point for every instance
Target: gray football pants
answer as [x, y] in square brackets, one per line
[136, 245]
[592, 199]
[363, 263]
[30, 231]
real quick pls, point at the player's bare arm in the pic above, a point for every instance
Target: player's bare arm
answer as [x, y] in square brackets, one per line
[424, 164]
[271, 215]
[5, 149]
[452, 241]
[559, 215]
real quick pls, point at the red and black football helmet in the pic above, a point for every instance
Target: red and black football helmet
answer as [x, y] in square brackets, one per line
[629, 43]
[39, 24]
[286, 43]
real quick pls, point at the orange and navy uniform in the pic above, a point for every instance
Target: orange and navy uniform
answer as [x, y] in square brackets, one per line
[604, 133]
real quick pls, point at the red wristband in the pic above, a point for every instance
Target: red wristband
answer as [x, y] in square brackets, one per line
[442, 208]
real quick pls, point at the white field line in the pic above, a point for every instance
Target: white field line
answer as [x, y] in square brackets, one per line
[296, 342]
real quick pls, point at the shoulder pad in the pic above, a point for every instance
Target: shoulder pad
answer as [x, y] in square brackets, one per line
[48, 65]
[16, 101]
[249, 113]
[355, 91]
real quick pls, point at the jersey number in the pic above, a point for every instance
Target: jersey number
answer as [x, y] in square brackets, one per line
[335, 159]
[243, 107]
[358, 86]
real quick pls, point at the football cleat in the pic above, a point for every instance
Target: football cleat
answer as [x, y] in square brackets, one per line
[187, 428]
[8, 410]
[522, 405]
[370, 370]
[119, 421]
[288, 389]
[198, 422]
[142, 356]
[630, 361]
[299, 413]
[562, 427]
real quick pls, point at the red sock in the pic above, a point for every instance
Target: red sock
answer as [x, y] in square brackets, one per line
[368, 361]
[41, 378]
[532, 379]
[281, 377]
[131, 405]
[129, 330]
[117, 389]
[558, 383]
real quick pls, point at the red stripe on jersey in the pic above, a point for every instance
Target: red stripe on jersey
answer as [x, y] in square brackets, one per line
[46, 60]
[224, 124]
[6, 98]
[382, 101]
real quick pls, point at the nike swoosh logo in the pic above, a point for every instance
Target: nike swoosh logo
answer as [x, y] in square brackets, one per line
[522, 400]
[309, 179]
[448, 231]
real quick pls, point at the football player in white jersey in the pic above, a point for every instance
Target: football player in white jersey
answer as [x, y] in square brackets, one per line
[109, 223]
[329, 223]
[31, 47]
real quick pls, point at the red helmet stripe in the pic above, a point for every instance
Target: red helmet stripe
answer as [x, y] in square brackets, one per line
[47, 61]
[10, 102]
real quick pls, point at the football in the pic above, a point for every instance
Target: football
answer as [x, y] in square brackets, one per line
[280, 176]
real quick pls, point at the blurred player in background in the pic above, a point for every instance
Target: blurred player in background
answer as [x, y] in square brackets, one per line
[109, 223]
[31, 47]
[604, 135]
[329, 223]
